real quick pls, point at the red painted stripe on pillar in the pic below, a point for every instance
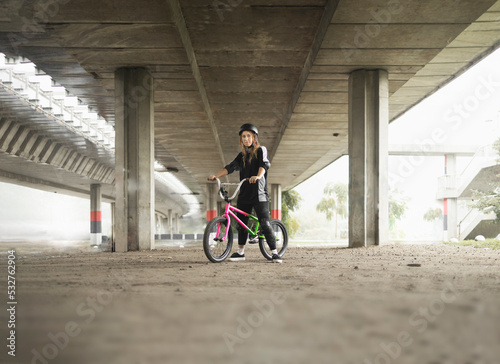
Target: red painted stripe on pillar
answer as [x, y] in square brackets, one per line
[211, 214]
[95, 216]
[445, 214]
[276, 214]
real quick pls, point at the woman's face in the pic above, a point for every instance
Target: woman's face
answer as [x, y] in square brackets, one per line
[247, 138]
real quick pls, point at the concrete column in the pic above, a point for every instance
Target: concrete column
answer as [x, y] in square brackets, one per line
[134, 135]
[165, 225]
[368, 155]
[177, 223]
[276, 201]
[211, 201]
[95, 215]
[113, 232]
[450, 206]
[170, 218]
[159, 224]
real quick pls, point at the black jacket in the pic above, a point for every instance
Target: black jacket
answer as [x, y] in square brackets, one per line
[251, 192]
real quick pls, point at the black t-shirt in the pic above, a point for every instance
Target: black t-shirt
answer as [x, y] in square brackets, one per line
[251, 192]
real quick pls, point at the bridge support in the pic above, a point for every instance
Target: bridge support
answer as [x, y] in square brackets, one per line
[276, 201]
[177, 226]
[95, 215]
[170, 218]
[134, 135]
[368, 156]
[211, 201]
[450, 209]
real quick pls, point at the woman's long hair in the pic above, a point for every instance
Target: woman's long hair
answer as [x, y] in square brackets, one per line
[252, 149]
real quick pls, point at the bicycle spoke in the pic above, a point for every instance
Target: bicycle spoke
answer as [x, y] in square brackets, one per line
[215, 246]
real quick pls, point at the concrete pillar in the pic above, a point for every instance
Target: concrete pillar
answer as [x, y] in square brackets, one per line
[170, 223]
[368, 155]
[211, 201]
[221, 205]
[450, 206]
[177, 223]
[159, 224]
[95, 215]
[134, 135]
[165, 225]
[276, 201]
[113, 209]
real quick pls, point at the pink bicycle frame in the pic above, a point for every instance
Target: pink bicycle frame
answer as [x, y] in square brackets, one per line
[229, 212]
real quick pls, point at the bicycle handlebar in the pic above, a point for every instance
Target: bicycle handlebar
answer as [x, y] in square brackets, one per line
[221, 189]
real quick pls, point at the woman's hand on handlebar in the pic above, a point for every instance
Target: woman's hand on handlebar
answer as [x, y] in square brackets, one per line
[253, 179]
[212, 178]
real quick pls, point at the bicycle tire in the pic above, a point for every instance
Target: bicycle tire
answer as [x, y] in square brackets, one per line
[217, 251]
[281, 240]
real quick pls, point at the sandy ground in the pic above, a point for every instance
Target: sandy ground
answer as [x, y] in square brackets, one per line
[424, 304]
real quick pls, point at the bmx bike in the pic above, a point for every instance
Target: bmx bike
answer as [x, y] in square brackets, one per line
[218, 236]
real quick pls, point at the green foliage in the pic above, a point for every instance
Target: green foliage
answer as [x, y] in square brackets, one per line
[327, 206]
[397, 207]
[488, 243]
[335, 200]
[334, 203]
[489, 201]
[496, 146]
[433, 214]
[290, 201]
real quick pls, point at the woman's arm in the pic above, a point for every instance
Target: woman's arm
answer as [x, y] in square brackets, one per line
[223, 172]
[230, 168]
[259, 175]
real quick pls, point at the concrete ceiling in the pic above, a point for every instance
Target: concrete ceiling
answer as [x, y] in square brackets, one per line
[282, 65]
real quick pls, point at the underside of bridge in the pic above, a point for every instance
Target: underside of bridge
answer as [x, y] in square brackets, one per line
[282, 65]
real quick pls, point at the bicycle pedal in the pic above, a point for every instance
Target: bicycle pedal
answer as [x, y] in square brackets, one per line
[253, 241]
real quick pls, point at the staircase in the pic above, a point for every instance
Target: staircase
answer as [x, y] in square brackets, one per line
[453, 186]
[471, 220]
[459, 187]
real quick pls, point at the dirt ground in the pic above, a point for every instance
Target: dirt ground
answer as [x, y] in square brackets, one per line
[424, 304]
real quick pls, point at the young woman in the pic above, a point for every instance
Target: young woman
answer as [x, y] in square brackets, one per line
[252, 162]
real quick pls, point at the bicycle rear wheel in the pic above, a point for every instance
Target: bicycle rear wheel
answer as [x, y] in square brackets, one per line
[281, 240]
[215, 247]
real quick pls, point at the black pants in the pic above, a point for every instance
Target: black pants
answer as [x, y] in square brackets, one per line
[262, 211]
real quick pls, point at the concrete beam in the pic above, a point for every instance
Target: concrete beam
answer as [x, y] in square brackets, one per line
[326, 18]
[179, 21]
[431, 149]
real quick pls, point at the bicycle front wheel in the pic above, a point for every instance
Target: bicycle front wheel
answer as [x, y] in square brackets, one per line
[215, 247]
[281, 236]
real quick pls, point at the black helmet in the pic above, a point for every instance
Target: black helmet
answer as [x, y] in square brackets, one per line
[249, 127]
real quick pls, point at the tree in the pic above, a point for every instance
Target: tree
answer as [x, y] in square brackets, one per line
[489, 201]
[290, 201]
[334, 204]
[496, 146]
[433, 214]
[397, 207]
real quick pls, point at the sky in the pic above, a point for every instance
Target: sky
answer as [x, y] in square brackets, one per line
[464, 112]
